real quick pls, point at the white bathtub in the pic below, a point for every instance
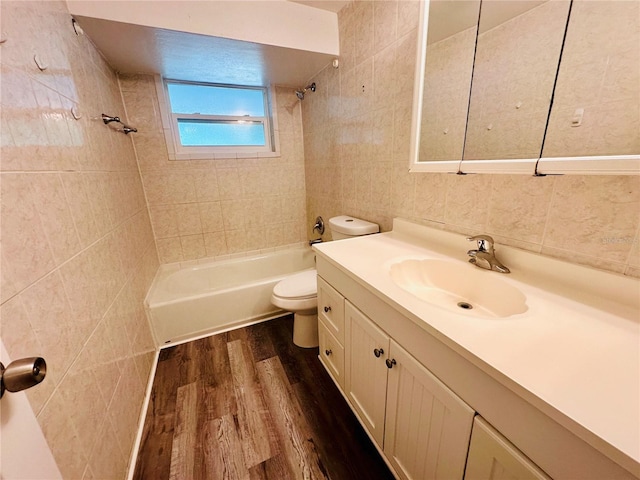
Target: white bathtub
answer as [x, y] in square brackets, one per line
[194, 301]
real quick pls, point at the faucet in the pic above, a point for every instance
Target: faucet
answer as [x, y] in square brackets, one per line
[484, 256]
[319, 225]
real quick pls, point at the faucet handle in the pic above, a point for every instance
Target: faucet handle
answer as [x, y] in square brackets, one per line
[485, 242]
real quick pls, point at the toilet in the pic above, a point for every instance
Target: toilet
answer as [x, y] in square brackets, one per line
[298, 293]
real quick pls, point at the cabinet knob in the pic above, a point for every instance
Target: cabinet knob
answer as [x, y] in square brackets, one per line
[390, 362]
[327, 309]
[328, 352]
[378, 351]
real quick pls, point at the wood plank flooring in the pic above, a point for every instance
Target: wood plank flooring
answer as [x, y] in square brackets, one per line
[249, 404]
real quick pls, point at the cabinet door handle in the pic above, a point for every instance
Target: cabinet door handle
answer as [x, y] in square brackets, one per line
[327, 309]
[377, 352]
[328, 352]
[390, 363]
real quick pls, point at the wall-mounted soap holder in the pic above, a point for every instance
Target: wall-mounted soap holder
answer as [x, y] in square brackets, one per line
[22, 374]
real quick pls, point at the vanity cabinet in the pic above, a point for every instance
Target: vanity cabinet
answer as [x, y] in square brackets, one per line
[422, 427]
[493, 457]
[443, 362]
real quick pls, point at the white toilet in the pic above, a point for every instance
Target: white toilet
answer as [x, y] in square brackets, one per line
[298, 293]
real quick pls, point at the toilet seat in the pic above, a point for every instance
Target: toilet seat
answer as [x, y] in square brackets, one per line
[297, 292]
[302, 285]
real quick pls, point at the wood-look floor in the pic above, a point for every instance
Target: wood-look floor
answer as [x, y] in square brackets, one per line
[249, 404]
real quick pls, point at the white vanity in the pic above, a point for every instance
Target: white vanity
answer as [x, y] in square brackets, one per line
[475, 387]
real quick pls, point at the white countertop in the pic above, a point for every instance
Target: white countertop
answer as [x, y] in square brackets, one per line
[574, 354]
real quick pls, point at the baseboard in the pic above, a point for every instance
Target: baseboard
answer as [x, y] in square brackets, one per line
[143, 416]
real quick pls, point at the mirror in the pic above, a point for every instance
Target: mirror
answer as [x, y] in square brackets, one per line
[506, 124]
[517, 55]
[596, 107]
[451, 42]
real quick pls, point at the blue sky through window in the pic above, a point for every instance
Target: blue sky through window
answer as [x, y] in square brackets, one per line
[188, 98]
[196, 133]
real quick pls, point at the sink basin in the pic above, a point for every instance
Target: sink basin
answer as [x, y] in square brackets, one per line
[459, 287]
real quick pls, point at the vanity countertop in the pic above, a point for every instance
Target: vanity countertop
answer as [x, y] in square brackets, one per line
[574, 354]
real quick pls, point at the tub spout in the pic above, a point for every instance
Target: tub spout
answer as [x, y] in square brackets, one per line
[313, 242]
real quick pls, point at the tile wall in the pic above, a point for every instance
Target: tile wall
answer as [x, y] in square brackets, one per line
[77, 248]
[212, 208]
[357, 137]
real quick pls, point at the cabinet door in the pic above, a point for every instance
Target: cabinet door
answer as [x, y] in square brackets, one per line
[493, 457]
[427, 425]
[366, 349]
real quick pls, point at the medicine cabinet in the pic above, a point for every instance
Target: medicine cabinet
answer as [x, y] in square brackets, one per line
[527, 86]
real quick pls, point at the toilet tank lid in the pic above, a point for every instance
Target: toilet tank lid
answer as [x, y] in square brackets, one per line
[352, 226]
[299, 285]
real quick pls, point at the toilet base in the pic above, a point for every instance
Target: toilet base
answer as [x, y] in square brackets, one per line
[305, 330]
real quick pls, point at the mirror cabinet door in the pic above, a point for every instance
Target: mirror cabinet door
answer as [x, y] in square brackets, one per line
[596, 109]
[516, 60]
[517, 55]
[451, 42]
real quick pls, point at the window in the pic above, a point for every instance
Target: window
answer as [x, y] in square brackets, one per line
[208, 120]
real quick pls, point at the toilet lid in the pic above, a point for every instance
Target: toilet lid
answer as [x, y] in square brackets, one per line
[299, 285]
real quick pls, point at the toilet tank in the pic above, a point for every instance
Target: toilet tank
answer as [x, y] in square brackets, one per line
[345, 226]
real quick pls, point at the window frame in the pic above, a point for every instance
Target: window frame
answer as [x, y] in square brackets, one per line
[177, 151]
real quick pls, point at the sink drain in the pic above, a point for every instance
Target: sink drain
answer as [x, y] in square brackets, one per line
[465, 305]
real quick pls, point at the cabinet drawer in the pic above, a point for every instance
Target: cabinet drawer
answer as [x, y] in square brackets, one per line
[331, 309]
[331, 353]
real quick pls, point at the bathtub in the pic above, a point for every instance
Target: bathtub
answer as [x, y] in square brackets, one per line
[185, 303]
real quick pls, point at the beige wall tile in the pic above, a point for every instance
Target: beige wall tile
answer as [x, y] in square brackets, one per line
[55, 214]
[385, 18]
[59, 430]
[519, 206]
[26, 251]
[188, 219]
[193, 247]
[364, 27]
[75, 233]
[164, 220]
[215, 244]
[464, 193]
[211, 217]
[169, 250]
[594, 216]
[227, 193]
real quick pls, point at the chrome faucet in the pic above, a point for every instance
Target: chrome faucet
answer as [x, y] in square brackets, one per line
[484, 256]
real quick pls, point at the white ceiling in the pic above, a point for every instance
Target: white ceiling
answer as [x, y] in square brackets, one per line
[132, 45]
[329, 5]
[187, 56]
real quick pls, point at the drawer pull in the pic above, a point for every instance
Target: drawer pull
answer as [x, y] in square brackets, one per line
[390, 363]
[327, 309]
[377, 352]
[328, 352]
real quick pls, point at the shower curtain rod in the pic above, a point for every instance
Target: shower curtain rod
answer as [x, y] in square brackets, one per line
[125, 128]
